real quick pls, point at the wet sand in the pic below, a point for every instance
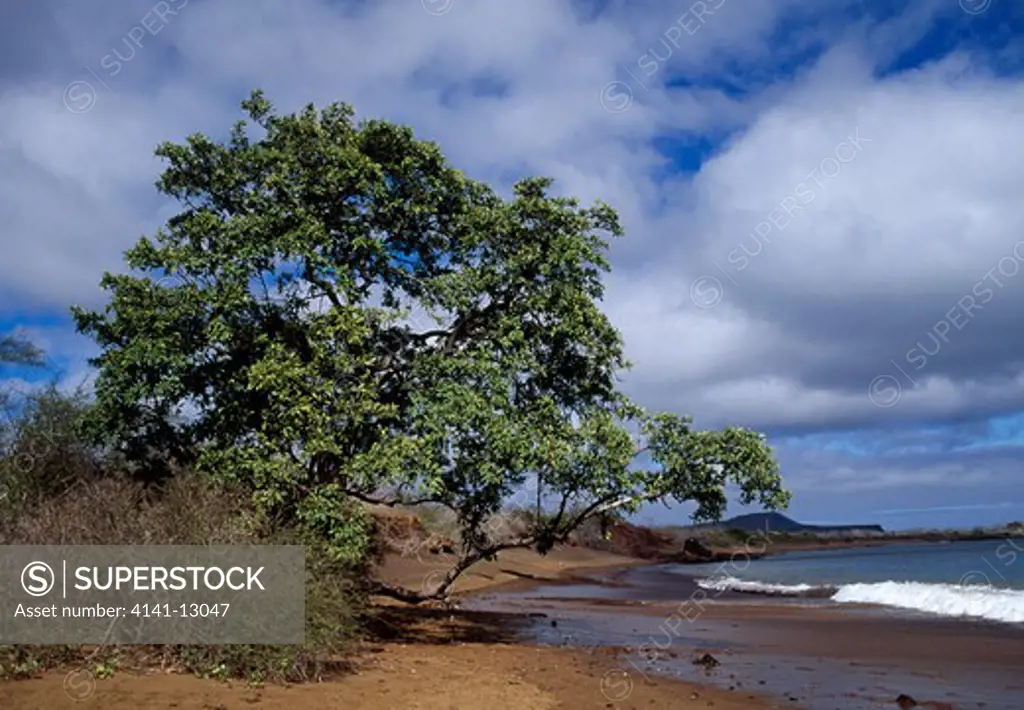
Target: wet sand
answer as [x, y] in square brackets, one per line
[807, 652]
[565, 631]
[421, 659]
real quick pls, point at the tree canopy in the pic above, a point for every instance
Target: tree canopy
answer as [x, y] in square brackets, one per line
[16, 350]
[337, 316]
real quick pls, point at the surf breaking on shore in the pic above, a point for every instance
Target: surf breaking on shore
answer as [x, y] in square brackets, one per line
[950, 600]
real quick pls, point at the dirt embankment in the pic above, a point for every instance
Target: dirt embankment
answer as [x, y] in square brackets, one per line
[417, 555]
[654, 545]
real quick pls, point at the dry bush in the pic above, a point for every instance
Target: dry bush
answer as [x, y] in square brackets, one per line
[186, 511]
[118, 511]
[591, 535]
[41, 453]
[436, 519]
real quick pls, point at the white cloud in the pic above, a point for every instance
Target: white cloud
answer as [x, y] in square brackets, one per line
[886, 247]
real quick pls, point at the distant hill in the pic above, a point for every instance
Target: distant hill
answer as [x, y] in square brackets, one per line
[777, 522]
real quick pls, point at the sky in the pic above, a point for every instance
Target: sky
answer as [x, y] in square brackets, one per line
[821, 197]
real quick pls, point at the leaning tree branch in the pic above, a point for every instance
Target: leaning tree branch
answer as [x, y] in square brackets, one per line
[442, 590]
[472, 556]
[603, 505]
[395, 502]
[327, 289]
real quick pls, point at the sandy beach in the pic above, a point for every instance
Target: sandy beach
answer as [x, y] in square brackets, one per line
[586, 629]
[808, 653]
[422, 659]
[421, 676]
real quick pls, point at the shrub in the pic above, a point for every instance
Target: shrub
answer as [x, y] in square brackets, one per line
[41, 454]
[116, 510]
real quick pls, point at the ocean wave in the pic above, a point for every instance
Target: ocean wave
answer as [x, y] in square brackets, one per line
[981, 602]
[731, 584]
[951, 600]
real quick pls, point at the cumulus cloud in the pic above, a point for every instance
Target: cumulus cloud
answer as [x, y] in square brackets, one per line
[840, 238]
[824, 236]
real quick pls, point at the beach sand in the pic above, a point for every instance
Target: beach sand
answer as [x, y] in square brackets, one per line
[585, 629]
[425, 660]
[809, 653]
[470, 676]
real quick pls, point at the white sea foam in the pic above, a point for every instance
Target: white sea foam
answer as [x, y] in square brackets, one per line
[731, 584]
[982, 602]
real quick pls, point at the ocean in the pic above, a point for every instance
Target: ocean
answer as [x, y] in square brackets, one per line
[938, 622]
[977, 579]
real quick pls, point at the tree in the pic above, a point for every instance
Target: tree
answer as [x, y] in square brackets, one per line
[16, 350]
[337, 317]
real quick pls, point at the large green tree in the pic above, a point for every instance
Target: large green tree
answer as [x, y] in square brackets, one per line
[337, 316]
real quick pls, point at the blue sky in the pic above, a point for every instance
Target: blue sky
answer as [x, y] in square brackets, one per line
[822, 199]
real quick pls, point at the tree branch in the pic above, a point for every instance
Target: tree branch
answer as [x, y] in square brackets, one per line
[441, 592]
[603, 506]
[394, 502]
[329, 292]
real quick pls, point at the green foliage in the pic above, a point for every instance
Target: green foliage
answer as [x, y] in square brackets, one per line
[266, 339]
[16, 350]
[41, 454]
[104, 670]
[333, 616]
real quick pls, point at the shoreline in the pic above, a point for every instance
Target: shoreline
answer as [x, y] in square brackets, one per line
[816, 653]
[436, 659]
[581, 628]
[769, 548]
[513, 569]
[785, 546]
